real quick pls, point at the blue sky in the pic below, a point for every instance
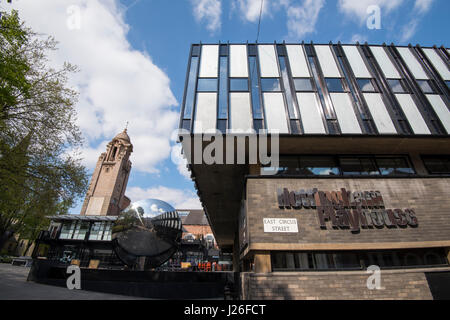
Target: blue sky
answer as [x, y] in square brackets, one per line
[133, 56]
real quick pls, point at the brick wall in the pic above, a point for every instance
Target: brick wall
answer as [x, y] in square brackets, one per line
[345, 285]
[428, 197]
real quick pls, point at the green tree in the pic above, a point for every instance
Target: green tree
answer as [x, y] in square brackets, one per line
[40, 174]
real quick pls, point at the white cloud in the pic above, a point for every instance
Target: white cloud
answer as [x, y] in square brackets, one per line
[116, 83]
[422, 6]
[302, 19]
[178, 159]
[358, 38]
[178, 198]
[250, 9]
[358, 8]
[209, 11]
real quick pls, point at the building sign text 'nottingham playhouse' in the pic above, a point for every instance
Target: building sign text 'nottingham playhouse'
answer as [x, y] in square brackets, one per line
[348, 210]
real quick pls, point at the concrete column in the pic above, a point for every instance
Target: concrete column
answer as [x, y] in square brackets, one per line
[262, 262]
[418, 163]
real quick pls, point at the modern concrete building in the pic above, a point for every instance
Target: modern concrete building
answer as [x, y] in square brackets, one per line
[362, 137]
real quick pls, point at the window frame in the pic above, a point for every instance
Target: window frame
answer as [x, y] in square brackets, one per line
[332, 90]
[372, 81]
[202, 91]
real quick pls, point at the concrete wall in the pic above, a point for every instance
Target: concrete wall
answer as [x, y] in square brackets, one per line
[427, 196]
[345, 285]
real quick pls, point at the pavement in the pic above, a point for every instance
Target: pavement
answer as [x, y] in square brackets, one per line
[14, 286]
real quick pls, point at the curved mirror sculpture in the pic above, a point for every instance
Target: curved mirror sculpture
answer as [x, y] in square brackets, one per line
[146, 234]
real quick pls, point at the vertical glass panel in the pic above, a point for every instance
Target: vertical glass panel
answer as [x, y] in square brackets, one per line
[287, 88]
[310, 112]
[413, 65]
[345, 113]
[315, 72]
[297, 61]
[327, 61]
[239, 84]
[196, 50]
[254, 76]
[240, 111]
[438, 63]
[209, 61]
[384, 62]
[275, 112]
[190, 91]
[207, 85]
[413, 115]
[268, 61]
[356, 62]
[238, 61]
[223, 90]
[303, 84]
[379, 113]
[441, 110]
[270, 84]
[206, 111]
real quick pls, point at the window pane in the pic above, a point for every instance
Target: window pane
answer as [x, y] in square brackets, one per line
[310, 165]
[366, 85]
[270, 84]
[437, 164]
[239, 84]
[334, 84]
[447, 83]
[190, 91]
[223, 90]
[394, 166]
[288, 166]
[254, 74]
[358, 166]
[396, 86]
[287, 87]
[425, 86]
[207, 85]
[303, 84]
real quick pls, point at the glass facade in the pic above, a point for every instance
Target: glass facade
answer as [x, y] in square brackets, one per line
[437, 164]
[342, 165]
[334, 69]
[357, 260]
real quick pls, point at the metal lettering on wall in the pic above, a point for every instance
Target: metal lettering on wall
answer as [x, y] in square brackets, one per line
[348, 210]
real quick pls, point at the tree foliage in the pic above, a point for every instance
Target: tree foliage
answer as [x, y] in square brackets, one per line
[39, 172]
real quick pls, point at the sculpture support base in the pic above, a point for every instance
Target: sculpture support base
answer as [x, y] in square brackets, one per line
[147, 284]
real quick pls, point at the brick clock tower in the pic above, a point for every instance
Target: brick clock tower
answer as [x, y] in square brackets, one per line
[106, 194]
